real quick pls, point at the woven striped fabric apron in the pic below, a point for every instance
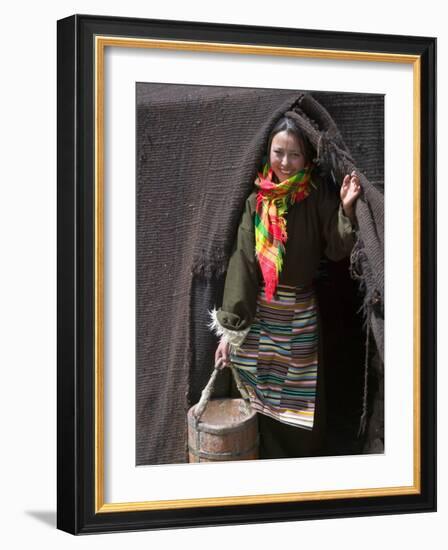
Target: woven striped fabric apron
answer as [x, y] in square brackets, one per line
[278, 360]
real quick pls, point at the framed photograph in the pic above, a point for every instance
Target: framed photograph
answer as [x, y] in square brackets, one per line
[261, 199]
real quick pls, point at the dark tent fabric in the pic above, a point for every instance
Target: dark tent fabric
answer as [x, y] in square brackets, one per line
[198, 150]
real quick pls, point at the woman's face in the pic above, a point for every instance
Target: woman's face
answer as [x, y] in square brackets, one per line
[286, 156]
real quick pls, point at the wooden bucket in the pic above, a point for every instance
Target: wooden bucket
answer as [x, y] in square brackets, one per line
[222, 429]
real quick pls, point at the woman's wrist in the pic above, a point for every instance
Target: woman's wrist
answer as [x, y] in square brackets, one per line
[348, 211]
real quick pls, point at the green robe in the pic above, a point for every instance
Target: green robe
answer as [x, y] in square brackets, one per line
[315, 226]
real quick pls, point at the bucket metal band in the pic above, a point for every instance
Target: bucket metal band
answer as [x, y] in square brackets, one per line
[222, 429]
[223, 455]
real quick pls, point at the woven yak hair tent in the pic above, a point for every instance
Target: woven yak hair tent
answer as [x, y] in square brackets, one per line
[198, 152]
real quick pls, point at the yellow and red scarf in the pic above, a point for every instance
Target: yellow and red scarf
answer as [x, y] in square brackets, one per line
[273, 200]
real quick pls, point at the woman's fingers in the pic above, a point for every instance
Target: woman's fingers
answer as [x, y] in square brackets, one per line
[344, 186]
[222, 353]
[350, 189]
[355, 182]
[354, 179]
[225, 352]
[356, 186]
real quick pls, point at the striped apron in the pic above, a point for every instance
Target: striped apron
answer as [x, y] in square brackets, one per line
[278, 360]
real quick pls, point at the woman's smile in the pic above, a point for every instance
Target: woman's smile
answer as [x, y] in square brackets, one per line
[286, 172]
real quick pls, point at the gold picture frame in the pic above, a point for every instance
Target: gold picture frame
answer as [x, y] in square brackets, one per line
[82, 43]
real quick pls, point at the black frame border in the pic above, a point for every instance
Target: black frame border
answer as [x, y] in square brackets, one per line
[75, 272]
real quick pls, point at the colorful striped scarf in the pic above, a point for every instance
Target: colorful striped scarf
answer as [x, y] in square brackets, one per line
[273, 200]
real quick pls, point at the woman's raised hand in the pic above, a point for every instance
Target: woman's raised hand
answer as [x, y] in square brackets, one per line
[350, 191]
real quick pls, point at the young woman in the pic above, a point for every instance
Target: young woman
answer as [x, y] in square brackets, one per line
[269, 321]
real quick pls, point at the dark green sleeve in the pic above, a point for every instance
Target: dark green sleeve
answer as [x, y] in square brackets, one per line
[242, 279]
[337, 229]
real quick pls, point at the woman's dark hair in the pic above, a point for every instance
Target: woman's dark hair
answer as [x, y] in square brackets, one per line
[286, 124]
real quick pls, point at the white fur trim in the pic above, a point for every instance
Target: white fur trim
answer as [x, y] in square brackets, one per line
[235, 338]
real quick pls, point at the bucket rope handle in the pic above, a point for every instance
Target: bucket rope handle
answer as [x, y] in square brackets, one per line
[207, 391]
